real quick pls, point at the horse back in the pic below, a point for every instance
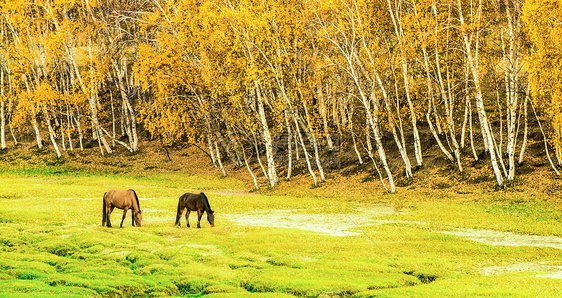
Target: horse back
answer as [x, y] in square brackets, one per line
[122, 199]
[191, 202]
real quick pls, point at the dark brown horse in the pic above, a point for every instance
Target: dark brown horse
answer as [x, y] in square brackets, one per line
[122, 199]
[195, 202]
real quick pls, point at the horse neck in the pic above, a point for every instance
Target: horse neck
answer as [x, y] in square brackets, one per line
[136, 206]
[206, 205]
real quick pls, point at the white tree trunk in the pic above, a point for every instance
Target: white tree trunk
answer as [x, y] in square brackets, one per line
[545, 141]
[127, 108]
[371, 154]
[472, 56]
[353, 137]
[305, 152]
[525, 129]
[52, 134]
[248, 166]
[217, 152]
[312, 137]
[38, 138]
[289, 146]
[395, 16]
[272, 173]
[511, 77]
[2, 110]
[323, 114]
[258, 157]
[430, 106]
[210, 140]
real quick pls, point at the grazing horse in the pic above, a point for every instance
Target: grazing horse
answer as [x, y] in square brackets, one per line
[122, 199]
[194, 202]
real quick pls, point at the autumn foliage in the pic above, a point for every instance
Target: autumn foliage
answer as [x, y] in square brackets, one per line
[273, 82]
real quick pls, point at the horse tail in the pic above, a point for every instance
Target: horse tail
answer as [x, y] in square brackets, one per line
[206, 203]
[104, 212]
[136, 199]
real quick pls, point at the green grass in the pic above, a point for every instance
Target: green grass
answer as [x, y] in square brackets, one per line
[52, 242]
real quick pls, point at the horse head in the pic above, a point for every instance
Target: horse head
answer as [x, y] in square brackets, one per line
[211, 217]
[138, 218]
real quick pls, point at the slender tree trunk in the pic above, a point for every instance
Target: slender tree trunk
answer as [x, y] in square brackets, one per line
[248, 165]
[13, 135]
[289, 146]
[256, 147]
[69, 128]
[323, 114]
[372, 155]
[526, 125]
[272, 173]
[2, 110]
[209, 134]
[472, 57]
[399, 140]
[3, 127]
[232, 143]
[545, 141]
[465, 120]
[406, 77]
[38, 138]
[113, 128]
[511, 84]
[52, 134]
[312, 137]
[224, 145]
[218, 154]
[78, 127]
[382, 154]
[353, 137]
[471, 132]
[396, 127]
[430, 106]
[127, 108]
[305, 152]
[63, 138]
[373, 121]
[92, 101]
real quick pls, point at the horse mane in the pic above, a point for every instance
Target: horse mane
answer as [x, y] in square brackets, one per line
[206, 203]
[137, 199]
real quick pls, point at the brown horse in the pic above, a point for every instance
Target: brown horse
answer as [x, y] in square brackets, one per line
[194, 202]
[122, 199]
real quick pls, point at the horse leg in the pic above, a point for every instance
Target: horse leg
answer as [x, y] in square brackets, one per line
[124, 214]
[199, 215]
[178, 218]
[109, 210]
[187, 217]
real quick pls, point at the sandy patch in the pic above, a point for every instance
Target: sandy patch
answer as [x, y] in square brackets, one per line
[548, 269]
[337, 224]
[506, 238]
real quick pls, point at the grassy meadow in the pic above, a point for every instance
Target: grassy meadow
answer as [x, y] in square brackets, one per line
[52, 242]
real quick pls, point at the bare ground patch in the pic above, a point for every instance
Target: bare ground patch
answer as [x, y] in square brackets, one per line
[546, 269]
[506, 238]
[332, 224]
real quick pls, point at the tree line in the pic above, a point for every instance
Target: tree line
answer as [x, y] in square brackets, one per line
[240, 77]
